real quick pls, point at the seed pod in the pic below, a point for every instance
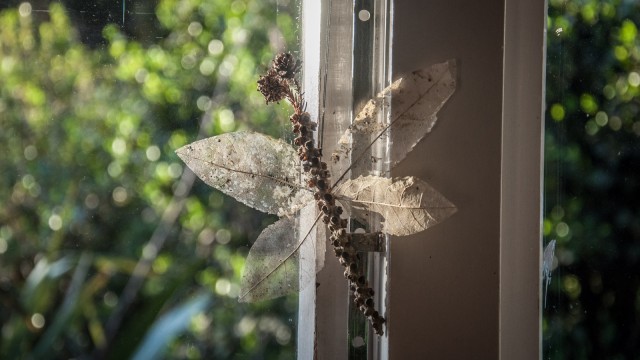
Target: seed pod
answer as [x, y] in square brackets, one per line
[309, 144]
[368, 311]
[296, 128]
[325, 219]
[321, 184]
[338, 210]
[325, 209]
[337, 251]
[361, 280]
[353, 267]
[361, 290]
[349, 275]
[344, 223]
[369, 302]
[298, 140]
[328, 197]
[304, 118]
[345, 255]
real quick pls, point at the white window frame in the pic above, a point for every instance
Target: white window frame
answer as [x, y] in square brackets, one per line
[507, 268]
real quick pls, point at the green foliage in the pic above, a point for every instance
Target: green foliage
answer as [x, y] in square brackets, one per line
[592, 180]
[88, 170]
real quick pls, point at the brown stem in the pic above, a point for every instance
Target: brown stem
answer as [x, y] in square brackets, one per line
[279, 83]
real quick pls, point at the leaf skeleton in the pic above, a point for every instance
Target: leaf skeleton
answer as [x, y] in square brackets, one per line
[265, 174]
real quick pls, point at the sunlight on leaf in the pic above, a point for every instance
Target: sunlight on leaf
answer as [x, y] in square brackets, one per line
[408, 205]
[255, 169]
[278, 262]
[415, 101]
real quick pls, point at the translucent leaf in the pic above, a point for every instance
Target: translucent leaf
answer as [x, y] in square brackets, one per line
[279, 262]
[408, 205]
[415, 101]
[255, 169]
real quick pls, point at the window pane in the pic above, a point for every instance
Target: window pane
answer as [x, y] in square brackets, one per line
[592, 177]
[108, 247]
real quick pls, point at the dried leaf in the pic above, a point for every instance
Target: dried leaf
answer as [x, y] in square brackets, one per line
[279, 262]
[255, 169]
[408, 205]
[415, 101]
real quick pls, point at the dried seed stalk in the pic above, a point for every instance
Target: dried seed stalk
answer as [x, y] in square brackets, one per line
[279, 83]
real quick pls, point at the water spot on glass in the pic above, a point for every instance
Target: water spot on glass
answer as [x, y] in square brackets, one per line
[559, 31]
[364, 15]
[357, 342]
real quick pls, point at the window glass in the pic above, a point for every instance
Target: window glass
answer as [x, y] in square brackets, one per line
[108, 247]
[592, 178]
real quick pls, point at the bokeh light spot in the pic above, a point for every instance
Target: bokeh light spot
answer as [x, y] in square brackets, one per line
[25, 9]
[37, 320]
[55, 222]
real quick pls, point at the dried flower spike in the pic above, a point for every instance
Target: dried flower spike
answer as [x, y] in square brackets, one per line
[278, 84]
[286, 66]
[272, 86]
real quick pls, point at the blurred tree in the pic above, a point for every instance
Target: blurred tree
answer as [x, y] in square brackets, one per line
[592, 179]
[89, 175]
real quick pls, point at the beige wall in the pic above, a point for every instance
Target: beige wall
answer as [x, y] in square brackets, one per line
[444, 281]
[470, 288]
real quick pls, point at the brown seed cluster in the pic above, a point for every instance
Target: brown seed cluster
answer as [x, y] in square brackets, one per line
[281, 75]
